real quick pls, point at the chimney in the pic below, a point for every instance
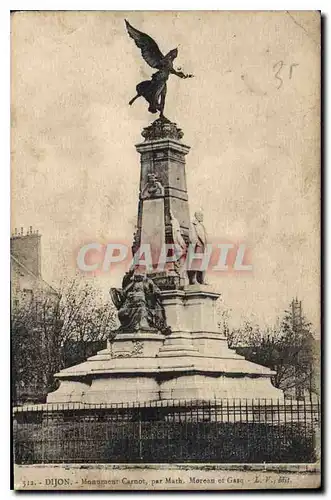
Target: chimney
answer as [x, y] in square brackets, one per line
[26, 248]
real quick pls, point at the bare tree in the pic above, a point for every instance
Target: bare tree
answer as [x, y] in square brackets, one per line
[289, 348]
[85, 317]
[51, 332]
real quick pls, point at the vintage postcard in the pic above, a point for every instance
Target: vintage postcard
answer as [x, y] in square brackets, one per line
[165, 250]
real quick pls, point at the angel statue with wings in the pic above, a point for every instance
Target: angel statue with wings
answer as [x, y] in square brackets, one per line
[154, 90]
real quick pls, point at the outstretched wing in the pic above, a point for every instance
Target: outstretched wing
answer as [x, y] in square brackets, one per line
[149, 48]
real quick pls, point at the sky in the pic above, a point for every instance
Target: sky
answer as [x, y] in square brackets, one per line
[250, 116]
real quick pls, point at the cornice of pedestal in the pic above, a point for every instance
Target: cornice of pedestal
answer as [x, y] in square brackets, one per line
[161, 144]
[184, 362]
[191, 291]
[139, 336]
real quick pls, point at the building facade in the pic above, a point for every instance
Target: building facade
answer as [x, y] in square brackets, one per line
[33, 314]
[25, 260]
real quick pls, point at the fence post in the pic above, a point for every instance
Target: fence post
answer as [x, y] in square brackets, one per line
[140, 434]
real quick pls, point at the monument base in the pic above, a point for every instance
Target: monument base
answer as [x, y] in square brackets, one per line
[192, 363]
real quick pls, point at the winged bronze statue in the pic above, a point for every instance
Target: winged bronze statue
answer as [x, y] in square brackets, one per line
[154, 90]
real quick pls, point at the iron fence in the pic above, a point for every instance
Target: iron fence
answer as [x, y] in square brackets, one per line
[225, 431]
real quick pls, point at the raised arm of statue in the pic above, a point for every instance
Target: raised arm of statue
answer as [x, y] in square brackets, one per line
[180, 73]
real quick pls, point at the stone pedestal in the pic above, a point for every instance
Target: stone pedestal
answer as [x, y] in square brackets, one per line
[192, 363]
[162, 190]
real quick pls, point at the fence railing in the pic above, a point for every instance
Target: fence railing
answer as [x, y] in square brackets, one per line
[224, 431]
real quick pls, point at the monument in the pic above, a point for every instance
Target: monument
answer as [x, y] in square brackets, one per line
[168, 346]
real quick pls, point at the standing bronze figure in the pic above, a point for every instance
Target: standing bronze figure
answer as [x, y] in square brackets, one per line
[154, 90]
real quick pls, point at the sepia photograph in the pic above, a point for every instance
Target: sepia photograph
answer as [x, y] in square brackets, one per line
[165, 250]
